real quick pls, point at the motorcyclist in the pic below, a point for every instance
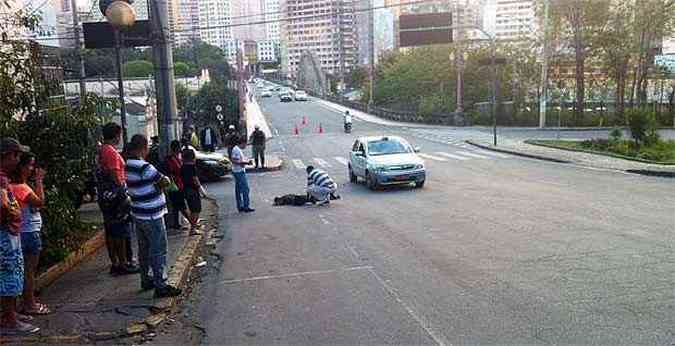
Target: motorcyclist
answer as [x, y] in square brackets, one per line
[347, 120]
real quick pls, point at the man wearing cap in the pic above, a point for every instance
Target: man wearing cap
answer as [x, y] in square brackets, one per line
[258, 146]
[11, 257]
[231, 139]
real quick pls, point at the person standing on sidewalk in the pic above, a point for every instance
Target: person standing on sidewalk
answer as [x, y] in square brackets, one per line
[192, 185]
[114, 202]
[30, 200]
[258, 144]
[177, 196]
[11, 258]
[241, 190]
[148, 208]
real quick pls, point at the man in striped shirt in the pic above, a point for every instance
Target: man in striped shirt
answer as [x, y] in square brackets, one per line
[319, 185]
[148, 207]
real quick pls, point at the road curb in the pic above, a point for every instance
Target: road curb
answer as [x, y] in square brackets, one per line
[660, 174]
[177, 276]
[87, 249]
[517, 153]
[616, 156]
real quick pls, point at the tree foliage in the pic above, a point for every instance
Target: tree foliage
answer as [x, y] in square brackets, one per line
[138, 68]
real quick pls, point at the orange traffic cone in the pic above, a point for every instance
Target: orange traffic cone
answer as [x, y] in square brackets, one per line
[295, 130]
[320, 128]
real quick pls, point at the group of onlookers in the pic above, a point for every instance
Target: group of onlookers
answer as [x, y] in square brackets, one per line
[21, 197]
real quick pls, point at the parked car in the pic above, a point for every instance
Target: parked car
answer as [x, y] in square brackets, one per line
[285, 97]
[212, 166]
[385, 160]
[300, 95]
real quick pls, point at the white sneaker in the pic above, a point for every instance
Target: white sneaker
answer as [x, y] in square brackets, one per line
[21, 328]
[324, 202]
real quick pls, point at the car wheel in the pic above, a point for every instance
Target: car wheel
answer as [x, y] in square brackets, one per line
[352, 177]
[371, 182]
[419, 184]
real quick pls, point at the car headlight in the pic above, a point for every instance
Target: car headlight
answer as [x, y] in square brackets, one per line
[419, 166]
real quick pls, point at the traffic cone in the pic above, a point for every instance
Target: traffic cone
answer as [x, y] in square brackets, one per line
[296, 131]
[320, 128]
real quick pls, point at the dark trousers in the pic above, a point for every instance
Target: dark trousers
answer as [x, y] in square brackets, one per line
[259, 155]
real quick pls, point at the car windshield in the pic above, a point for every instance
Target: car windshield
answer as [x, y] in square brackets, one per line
[387, 147]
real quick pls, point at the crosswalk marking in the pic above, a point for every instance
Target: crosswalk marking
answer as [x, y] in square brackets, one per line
[456, 157]
[466, 153]
[298, 164]
[432, 157]
[322, 162]
[341, 160]
[491, 153]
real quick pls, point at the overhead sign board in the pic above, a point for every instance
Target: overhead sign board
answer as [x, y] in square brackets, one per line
[425, 29]
[667, 61]
[102, 35]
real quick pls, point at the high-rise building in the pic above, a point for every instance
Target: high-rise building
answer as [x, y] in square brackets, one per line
[326, 28]
[214, 22]
[247, 20]
[187, 22]
[268, 51]
[382, 25]
[271, 10]
[515, 19]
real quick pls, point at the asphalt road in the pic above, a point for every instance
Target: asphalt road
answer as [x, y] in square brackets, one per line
[493, 250]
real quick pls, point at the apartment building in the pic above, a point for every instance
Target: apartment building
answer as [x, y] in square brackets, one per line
[515, 19]
[324, 27]
[268, 51]
[214, 22]
[187, 22]
[271, 10]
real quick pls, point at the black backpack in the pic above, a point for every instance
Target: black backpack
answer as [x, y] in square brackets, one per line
[112, 198]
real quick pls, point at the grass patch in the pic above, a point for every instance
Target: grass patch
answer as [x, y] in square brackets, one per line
[660, 152]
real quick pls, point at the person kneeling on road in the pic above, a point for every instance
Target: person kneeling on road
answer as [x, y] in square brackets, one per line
[320, 186]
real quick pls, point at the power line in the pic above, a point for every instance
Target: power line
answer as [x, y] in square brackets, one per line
[289, 19]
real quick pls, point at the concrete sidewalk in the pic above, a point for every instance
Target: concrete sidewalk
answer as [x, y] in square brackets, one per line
[519, 147]
[90, 305]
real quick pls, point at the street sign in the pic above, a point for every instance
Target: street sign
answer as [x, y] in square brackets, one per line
[425, 29]
[219, 108]
[102, 35]
[219, 116]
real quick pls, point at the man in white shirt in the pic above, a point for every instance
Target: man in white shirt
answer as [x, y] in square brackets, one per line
[241, 190]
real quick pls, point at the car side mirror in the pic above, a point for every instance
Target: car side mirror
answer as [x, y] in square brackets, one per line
[417, 149]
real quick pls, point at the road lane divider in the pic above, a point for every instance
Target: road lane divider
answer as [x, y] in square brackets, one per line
[322, 162]
[466, 153]
[341, 160]
[298, 164]
[452, 156]
[432, 157]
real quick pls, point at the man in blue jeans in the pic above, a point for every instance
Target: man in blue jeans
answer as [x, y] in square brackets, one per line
[239, 162]
[148, 207]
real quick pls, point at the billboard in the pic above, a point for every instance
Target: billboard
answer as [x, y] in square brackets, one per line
[425, 29]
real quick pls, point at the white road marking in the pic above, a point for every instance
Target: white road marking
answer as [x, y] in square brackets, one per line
[466, 153]
[316, 272]
[322, 162]
[341, 160]
[298, 164]
[323, 219]
[432, 157]
[419, 319]
[492, 153]
[456, 157]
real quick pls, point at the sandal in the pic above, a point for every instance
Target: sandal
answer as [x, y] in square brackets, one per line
[38, 309]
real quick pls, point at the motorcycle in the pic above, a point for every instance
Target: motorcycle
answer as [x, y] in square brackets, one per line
[348, 127]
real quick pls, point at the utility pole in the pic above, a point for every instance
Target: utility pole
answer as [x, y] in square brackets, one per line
[120, 86]
[544, 70]
[459, 58]
[78, 49]
[371, 47]
[164, 79]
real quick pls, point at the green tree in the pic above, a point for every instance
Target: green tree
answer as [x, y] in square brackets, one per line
[138, 68]
[181, 69]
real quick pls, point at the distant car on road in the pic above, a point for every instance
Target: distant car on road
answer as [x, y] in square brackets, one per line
[266, 93]
[285, 97]
[385, 160]
[300, 95]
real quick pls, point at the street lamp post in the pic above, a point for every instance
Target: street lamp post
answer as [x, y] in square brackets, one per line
[120, 15]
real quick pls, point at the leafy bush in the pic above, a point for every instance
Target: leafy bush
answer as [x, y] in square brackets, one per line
[662, 151]
[615, 135]
[642, 126]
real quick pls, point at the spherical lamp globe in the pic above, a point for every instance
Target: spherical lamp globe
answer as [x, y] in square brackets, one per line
[120, 14]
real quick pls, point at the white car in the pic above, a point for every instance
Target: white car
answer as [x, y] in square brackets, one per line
[300, 95]
[385, 160]
[266, 93]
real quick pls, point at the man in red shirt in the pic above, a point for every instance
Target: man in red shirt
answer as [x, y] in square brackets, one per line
[114, 202]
